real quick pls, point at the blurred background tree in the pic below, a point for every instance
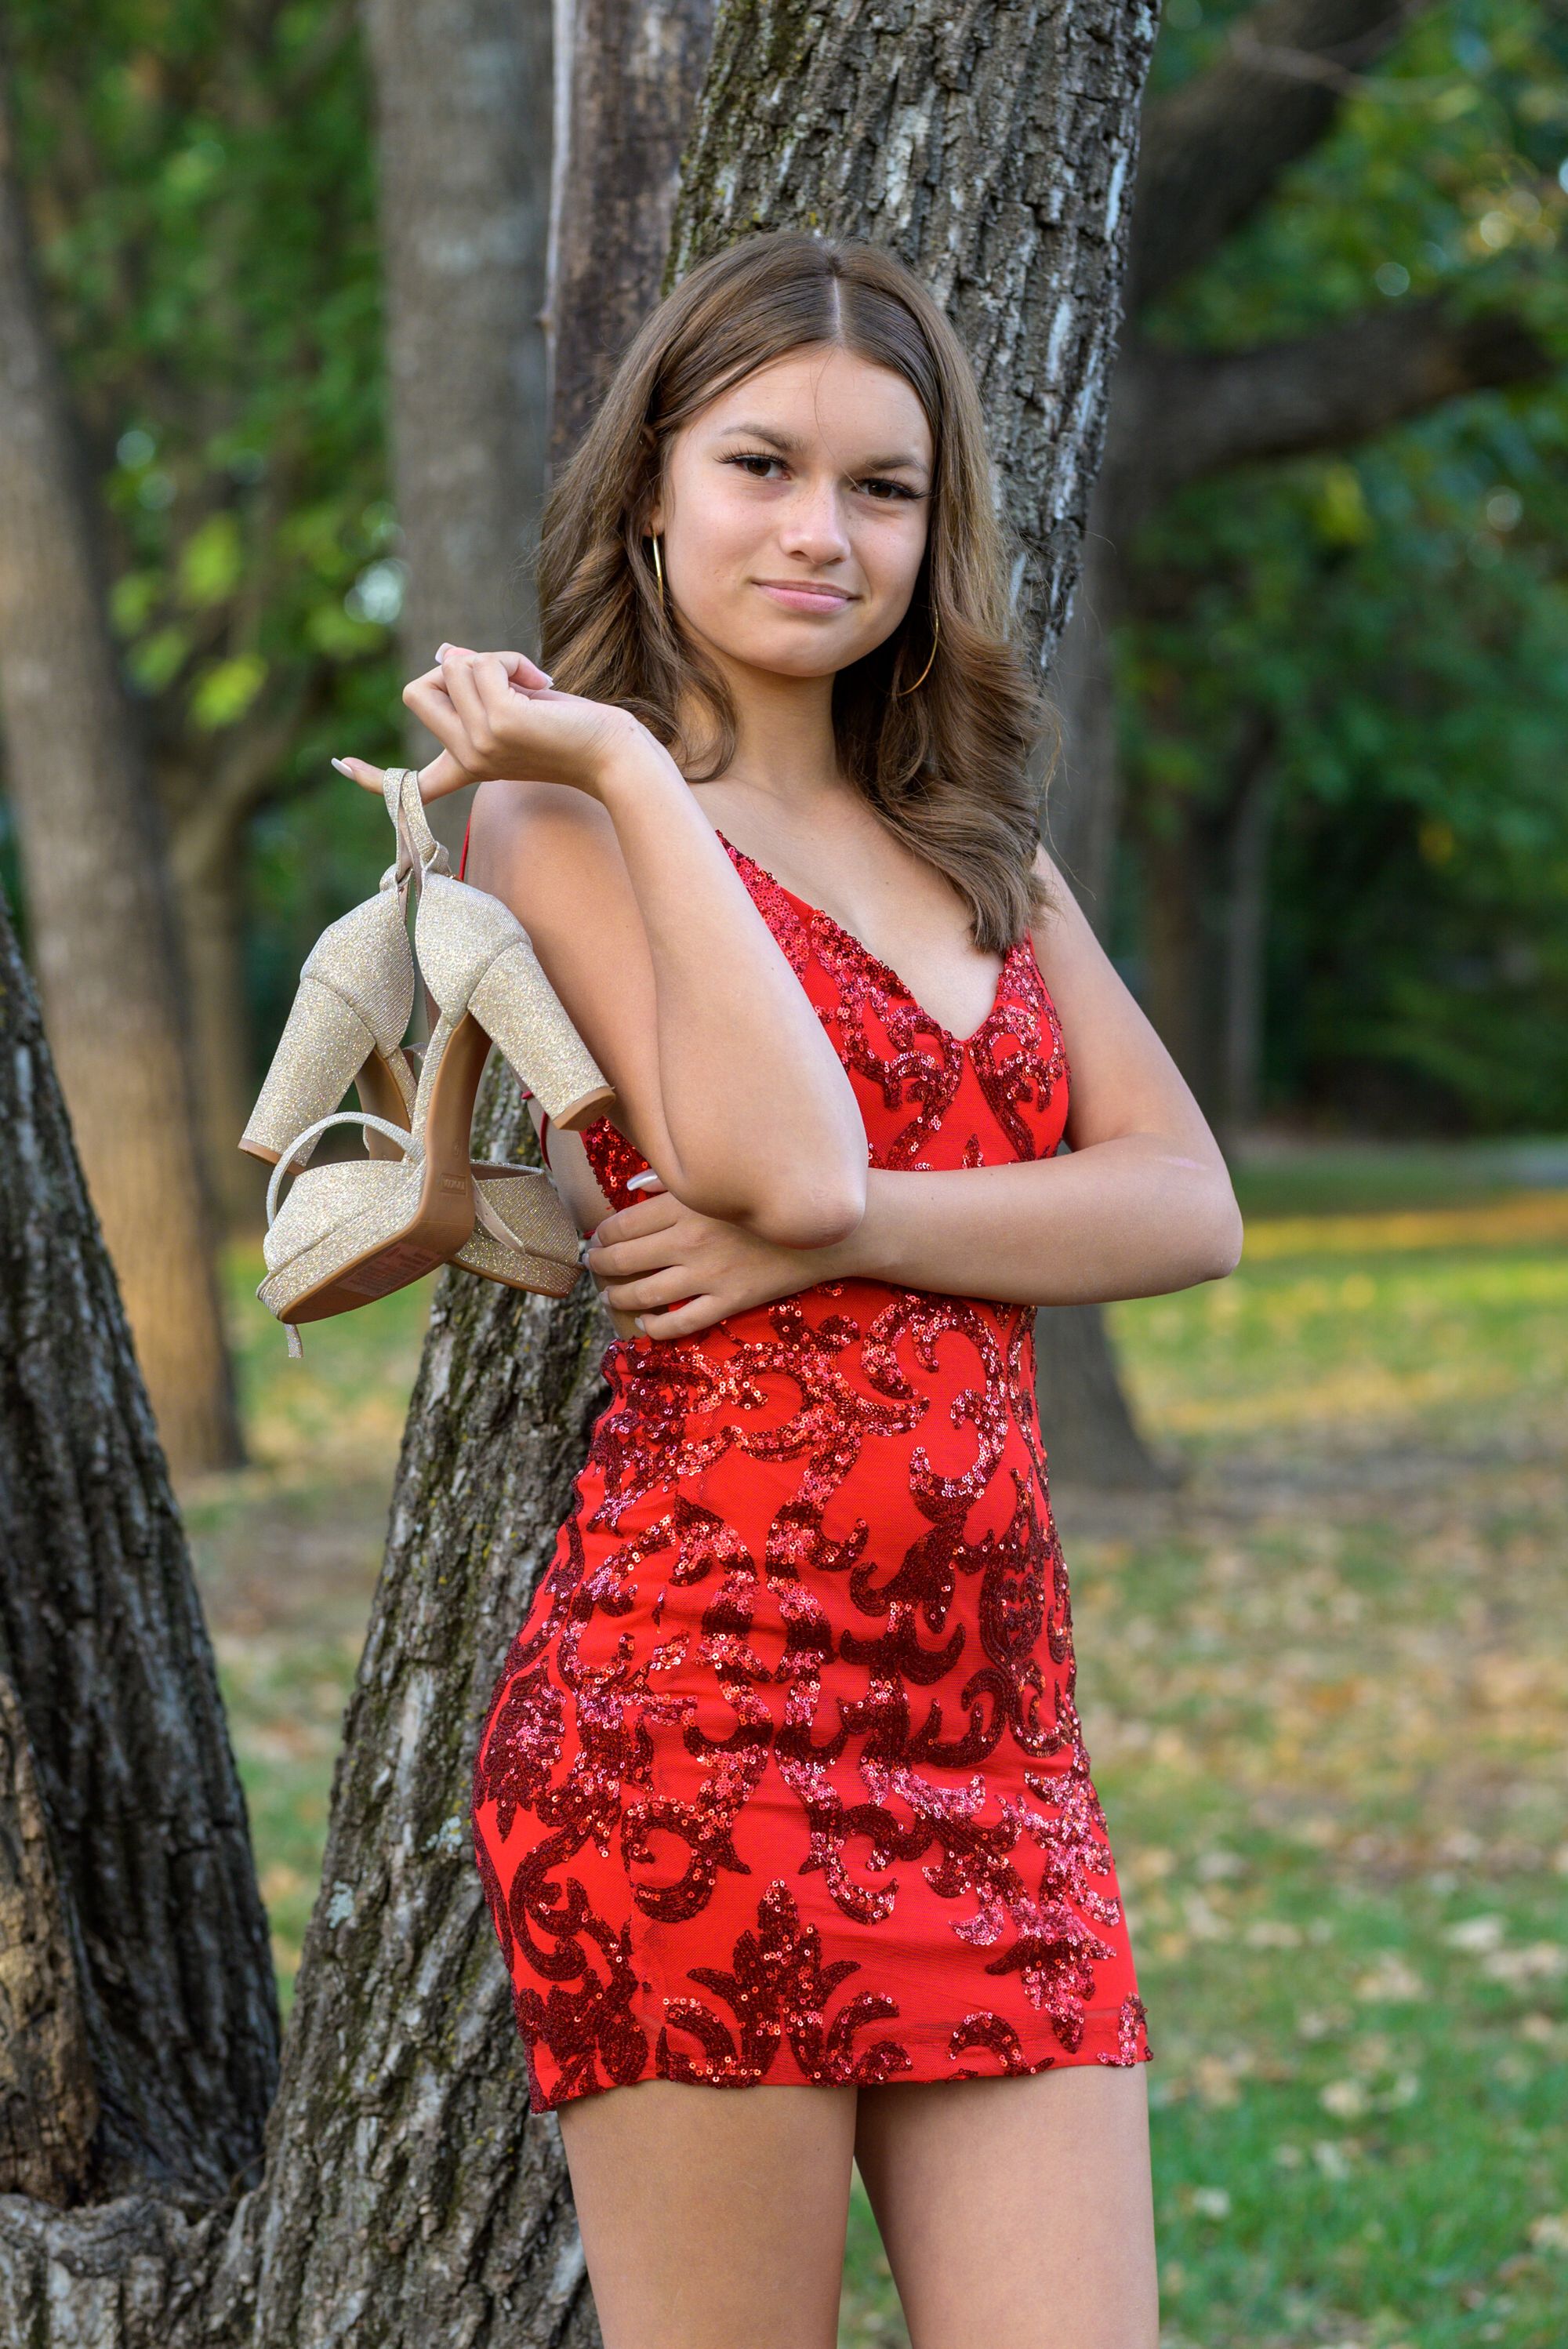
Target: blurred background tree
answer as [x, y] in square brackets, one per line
[1339, 855]
[202, 188]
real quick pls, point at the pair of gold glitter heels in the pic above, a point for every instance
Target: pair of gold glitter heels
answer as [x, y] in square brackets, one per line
[356, 1229]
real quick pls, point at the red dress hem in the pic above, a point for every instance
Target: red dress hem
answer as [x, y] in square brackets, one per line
[1115, 2036]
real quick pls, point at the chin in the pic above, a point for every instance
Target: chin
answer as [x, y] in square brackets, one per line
[792, 654]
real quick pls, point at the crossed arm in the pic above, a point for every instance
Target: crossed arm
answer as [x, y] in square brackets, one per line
[1140, 1204]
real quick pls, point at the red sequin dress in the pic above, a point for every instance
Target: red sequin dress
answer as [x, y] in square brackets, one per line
[782, 1780]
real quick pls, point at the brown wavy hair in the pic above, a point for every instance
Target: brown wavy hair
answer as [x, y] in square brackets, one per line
[945, 767]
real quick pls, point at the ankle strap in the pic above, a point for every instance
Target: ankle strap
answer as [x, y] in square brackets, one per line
[417, 844]
[410, 1144]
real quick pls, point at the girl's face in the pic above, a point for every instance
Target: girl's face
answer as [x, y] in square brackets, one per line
[794, 511]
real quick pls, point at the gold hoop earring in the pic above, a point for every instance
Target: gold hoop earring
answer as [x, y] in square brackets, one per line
[925, 672]
[658, 566]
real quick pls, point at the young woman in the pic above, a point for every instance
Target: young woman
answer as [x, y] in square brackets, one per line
[782, 1788]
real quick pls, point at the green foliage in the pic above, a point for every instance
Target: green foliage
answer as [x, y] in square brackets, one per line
[1398, 612]
[201, 189]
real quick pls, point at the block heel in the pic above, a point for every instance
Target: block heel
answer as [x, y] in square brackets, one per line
[320, 1053]
[352, 1007]
[516, 1006]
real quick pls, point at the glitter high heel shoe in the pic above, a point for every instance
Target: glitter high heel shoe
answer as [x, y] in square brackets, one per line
[354, 1230]
[355, 998]
[345, 1025]
[523, 1233]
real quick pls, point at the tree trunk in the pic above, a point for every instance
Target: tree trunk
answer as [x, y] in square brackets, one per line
[1246, 927]
[92, 858]
[1084, 804]
[149, 1986]
[463, 107]
[405, 2199]
[628, 74]
[1091, 1434]
[992, 148]
[1176, 914]
[211, 907]
[1205, 873]
[48, 2097]
[209, 791]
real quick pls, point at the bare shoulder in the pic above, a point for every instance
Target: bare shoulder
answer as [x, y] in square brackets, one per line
[1062, 936]
[536, 839]
[552, 856]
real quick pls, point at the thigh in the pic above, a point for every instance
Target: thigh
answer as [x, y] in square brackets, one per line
[1016, 2212]
[713, 2217]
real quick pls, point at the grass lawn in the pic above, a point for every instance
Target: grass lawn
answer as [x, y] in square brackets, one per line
[1324, 1688]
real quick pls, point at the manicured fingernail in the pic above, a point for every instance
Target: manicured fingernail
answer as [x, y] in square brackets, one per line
[441, 651]
[649, 1176]
[639, 1321]
[344, 769]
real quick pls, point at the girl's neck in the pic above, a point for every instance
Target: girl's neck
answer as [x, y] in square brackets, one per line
[785, 749]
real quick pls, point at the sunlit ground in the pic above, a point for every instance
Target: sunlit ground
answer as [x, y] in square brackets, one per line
[1324, 1688]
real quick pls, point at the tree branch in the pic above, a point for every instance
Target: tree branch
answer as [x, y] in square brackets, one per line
[1213, 149]
[1177, 415]
[245, 775]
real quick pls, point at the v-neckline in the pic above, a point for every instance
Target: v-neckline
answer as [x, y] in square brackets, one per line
[820, 914]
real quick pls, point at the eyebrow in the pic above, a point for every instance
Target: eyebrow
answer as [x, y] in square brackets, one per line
[787, 444]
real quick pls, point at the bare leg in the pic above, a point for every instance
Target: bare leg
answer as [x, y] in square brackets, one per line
[713, 2218]
[1019, 2213]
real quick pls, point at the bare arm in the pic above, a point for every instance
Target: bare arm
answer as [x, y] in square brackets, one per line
[727, 1081]
[1141, 1204]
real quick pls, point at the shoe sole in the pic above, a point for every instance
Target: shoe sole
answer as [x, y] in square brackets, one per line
[323, 1281]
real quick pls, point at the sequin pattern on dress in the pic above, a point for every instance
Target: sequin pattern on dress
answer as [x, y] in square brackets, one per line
[782, 1779]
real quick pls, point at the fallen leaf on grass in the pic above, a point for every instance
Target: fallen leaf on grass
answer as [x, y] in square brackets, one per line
[1272, 1933]
[1474, 1933]
[1533, 1962]
[1390, 1980]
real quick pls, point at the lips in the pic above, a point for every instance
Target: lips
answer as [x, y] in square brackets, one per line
[804, 595]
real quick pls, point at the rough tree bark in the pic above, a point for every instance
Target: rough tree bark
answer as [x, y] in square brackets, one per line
[407, 2196]
[627, 76]
[92, 857]
[992, 146]
[140, 2051]
[463, 107]
[402, 2199]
